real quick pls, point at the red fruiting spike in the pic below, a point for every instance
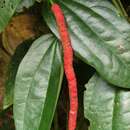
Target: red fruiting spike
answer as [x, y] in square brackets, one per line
[68, 65]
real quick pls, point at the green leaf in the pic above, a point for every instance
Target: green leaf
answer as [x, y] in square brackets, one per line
[100, 37]
[118, 4]
[7, 9]
[106, 107]
[20, 52]
[37, 86]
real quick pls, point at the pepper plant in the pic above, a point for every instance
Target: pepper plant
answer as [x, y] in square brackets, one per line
[98, 33]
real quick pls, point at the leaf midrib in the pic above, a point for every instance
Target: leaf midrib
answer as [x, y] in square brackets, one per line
[48, 81]
[31, 83]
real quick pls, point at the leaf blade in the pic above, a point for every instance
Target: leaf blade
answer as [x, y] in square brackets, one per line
[38, 81]
[106, 106]
[97, 37]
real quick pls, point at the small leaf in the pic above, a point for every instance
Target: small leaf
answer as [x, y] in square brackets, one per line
[37, 85]
[100, 37]
[106, 107]
[20, 52]
[7, 9]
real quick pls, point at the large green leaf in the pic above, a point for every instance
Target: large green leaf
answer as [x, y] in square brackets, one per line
[38, 84]
[7, 9]
[99, 36]
[20, 52]
[106, 107]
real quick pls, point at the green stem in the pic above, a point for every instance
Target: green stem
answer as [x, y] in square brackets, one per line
[120, 7]
[51, 2]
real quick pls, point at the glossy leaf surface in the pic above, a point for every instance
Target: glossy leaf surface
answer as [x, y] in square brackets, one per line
[99, 36]
[37, 85]
[106, 107]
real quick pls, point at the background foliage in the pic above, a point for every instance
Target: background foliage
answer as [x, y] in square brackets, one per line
[105, 35]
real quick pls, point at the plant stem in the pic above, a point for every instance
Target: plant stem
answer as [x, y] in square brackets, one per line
[120, 7]
[51, 2]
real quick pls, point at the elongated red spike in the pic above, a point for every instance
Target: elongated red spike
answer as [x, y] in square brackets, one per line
[68, 64]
